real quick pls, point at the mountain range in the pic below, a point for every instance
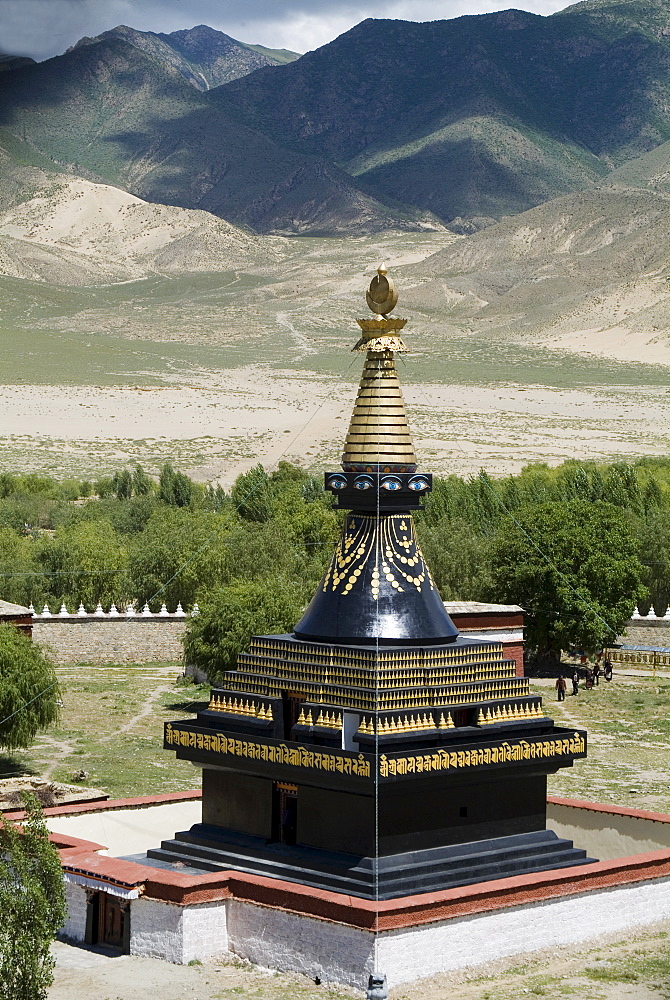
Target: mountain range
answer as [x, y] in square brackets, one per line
[205, 57]
[458, 122]
[545, 139]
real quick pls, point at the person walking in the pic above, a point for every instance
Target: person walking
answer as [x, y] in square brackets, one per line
[575, 682]
[607, 672]
[596, 673]
[589, 679]
[560, 687]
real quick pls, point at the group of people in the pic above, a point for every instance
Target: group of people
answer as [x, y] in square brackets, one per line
[592, 677]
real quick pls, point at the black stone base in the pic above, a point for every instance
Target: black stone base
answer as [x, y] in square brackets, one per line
[211, 848]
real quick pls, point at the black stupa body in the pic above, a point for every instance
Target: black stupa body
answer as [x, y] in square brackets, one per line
[374, 751]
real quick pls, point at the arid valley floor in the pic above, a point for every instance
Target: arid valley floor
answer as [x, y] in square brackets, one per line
[216, 371]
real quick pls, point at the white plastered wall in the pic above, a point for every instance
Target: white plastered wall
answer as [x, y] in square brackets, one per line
[178, 933]
[335, 952]
[74, 928]
[410, 954]
[277, 939]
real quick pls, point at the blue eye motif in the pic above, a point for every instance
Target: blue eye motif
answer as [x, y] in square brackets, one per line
[418, 484]
[363, 483]
[336, 483]
[391, 483]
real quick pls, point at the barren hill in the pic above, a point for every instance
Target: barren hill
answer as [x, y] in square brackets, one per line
[72, 231]
[589, 271]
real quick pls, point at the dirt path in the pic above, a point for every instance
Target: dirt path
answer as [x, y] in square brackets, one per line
[62, 750]
[147, 709]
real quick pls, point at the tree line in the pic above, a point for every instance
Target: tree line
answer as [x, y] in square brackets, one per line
[578, 545]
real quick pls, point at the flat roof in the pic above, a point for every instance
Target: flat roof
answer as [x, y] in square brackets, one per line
[475, 607]
[13, 609]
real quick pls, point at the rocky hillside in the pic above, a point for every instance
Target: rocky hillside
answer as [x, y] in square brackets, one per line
[205, 57]
[481, 116]
[111, 112]
[13, 62]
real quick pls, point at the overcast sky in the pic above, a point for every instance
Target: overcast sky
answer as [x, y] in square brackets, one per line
[43, 28]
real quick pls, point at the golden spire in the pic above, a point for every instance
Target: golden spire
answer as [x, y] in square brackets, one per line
[379, 439]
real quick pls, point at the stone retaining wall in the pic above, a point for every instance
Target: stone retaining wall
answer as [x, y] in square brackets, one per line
[121, 640]
[645, 634]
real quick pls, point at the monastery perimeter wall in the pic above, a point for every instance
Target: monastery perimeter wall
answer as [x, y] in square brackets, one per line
[111, 640]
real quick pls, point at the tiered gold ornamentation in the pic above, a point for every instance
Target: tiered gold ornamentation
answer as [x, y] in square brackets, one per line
[379, 439]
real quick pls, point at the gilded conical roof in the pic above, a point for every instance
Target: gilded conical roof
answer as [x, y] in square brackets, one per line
[379, 438]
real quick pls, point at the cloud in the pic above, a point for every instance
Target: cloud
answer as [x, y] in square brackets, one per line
[43, 28]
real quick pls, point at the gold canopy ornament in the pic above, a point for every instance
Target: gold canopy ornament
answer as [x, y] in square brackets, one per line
[379, 438]
[381, 333]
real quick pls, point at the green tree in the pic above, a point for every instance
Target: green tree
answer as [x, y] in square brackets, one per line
[459, 557]
[653, 495]
[251, 495]
[654, 535]
[573, 567]
[16, 565]
[179, 552]
[32, 897]
[89, 562]
[122, 483]
[174, 488]
[230, 615]
[142, 484]
[28, 689]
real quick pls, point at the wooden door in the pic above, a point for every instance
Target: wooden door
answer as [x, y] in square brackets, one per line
[111, 919]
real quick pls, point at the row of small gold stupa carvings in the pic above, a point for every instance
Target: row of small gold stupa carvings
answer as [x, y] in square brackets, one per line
[505, 713]
[389, 678]
[375, 701]
[235, 707]
[411, 697]
[290, 651]
[406, 724]
[323, 719]
[413, 723]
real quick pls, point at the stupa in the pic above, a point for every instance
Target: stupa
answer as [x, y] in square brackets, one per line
[374, 751]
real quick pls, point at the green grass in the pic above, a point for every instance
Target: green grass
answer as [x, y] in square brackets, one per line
[628, 742]
[97, 703]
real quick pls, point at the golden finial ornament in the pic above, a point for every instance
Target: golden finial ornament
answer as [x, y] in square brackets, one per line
[381, 296]
[380, 334]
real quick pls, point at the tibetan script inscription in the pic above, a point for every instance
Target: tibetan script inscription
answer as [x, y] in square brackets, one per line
[516, 751]
[281, 754]
[504, 753]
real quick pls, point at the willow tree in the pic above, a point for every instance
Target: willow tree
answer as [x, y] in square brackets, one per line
[29, 695]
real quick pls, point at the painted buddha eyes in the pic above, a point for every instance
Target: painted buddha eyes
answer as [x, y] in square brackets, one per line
[391, 483]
